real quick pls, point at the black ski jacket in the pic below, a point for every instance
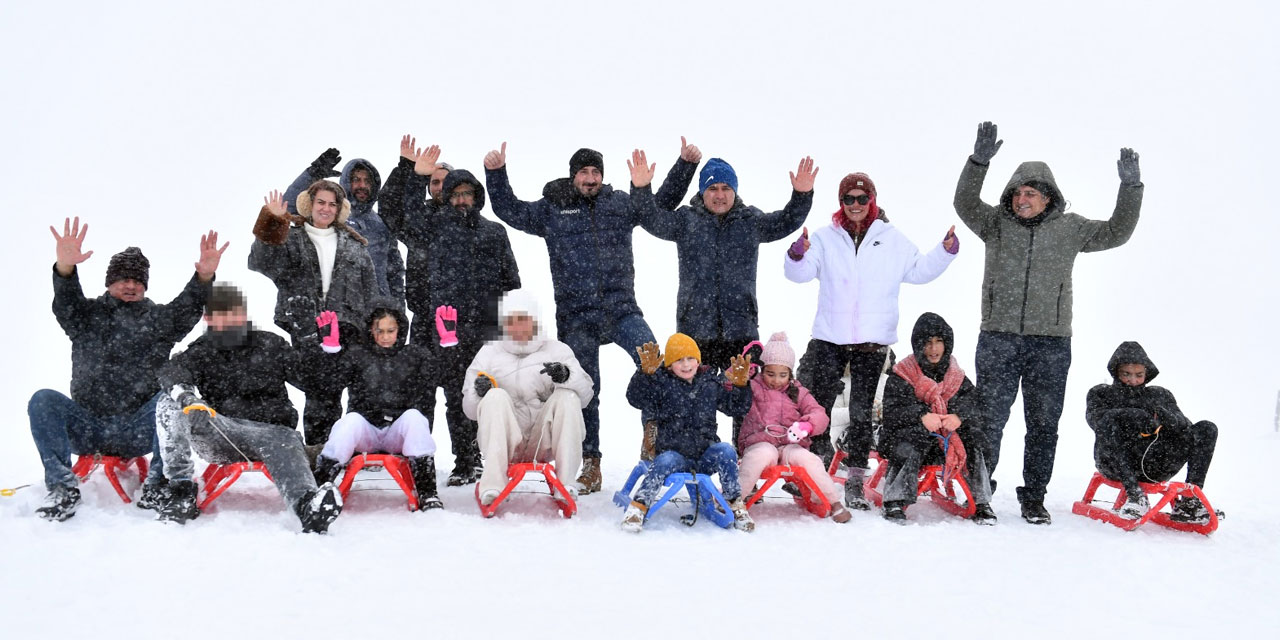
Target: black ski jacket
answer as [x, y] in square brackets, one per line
[242, 378]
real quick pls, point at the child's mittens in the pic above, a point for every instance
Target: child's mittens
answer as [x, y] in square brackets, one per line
[738, 371]
[332, 342]
[650, 357]
[798, 431]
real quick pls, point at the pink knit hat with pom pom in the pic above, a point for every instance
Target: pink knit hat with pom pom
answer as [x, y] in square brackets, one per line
[778, 351]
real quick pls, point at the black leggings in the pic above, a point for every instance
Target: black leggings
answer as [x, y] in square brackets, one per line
[1124, 455]
[820, 371]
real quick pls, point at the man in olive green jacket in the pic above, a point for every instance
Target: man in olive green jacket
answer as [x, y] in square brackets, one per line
[1032, 244]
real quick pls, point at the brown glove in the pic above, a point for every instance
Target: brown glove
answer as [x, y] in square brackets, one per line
[738, 371]
[650, 357]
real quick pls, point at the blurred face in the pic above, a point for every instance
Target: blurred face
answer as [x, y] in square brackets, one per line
[463, 197]
[685, 368]
[933, 350]
[324, 209]
[361, 185]
[437, 183]
[856, 204]
[1028, 202]
[1133, 375]
[718, 198]
[587, 181]
[519, 327]
[224, 320]
[776, 376]
[385, 332]
[127, 290]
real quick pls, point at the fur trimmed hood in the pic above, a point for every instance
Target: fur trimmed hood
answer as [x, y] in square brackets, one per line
[274, 231]
[304, 203]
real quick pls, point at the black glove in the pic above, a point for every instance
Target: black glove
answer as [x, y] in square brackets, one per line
[483, 385]
[755, 352]
[322, 167]
[986, 146]
[557, 372]
[1130, 174]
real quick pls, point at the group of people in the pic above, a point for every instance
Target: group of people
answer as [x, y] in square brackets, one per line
[513, 394]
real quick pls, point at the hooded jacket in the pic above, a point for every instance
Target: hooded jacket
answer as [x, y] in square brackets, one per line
[388, 265]
[517, 368]
[588, 243]
[903, 410]
[1026, 282]
[686, 410]
[718, 259]
[773, 410]
[1157, 405]
[243, 378]
[382, 382]
[414, 231]
[117, 347]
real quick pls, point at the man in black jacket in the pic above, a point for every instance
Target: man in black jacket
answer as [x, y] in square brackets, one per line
[1142, 435]
[118, 341]
[225, 397]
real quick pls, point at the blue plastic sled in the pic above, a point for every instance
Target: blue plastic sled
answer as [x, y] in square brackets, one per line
[711, 503]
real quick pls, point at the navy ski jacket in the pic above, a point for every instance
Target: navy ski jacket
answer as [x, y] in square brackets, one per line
[686, 411]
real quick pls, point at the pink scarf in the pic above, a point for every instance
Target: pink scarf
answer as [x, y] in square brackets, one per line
[936, 395]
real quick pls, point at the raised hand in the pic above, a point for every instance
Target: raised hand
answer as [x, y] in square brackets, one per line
[496, 159]
[210, 255]
[407, 145]
[1130, 174]
[806, 173]
[986, 145]
[650, 357]
[275, 204]
[689, 153]
[332, 342]
[641, 170]
[738, 372]
[69, 245]
[448, 337]
[322, 166]
[950, 242]
[801, 245]
[424, 161]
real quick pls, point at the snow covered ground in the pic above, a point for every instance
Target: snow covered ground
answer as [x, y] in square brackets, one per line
[155, 122]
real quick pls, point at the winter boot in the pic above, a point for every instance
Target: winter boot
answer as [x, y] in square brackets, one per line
[982, 514]
[180, 505]
[424, 481]
[1190, 510]
[893, 512]
[154, 494]
[649, 444]
[60, 504]
[466, 470]
[853, 490]
[840, 514]
[1033, 512]
[633, 519]
[589, 479]
[741, 519]
[326, 469]
[1135, 507]
[319, 508]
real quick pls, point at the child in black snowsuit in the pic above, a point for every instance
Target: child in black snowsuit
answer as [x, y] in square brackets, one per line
[1142, 436]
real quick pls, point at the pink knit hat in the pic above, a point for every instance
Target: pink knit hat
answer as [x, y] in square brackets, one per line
[778, 351]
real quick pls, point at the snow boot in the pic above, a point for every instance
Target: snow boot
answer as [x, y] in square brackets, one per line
[60, 504]
[649, 444]
[424, 481]
[180, 504]
[1190, 510]
[1033, 512]
[633, 519]
[319, 508]
[853, 490]
[326, 469]
[893, 512]
[982, 514]
[741, 519]
[589, 480]
[840, 514]
[466, 470]
[154, 494]
[1135, 507]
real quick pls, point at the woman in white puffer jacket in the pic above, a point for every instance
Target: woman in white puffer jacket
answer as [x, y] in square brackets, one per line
[860, 262]
[527, 393]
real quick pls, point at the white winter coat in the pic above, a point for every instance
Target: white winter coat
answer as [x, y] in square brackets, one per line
[858, 288]
[517, 368]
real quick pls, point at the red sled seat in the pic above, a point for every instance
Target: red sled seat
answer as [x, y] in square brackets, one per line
[810, 498]
[219, 477]
[945, 495]
[111, 465]
[516, 473]
[1167, 492]
[396, 466]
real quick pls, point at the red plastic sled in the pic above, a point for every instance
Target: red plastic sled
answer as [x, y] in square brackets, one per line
[219, 477]
[516, 473]
[1167, 492]
[810, 498]
[396, 466]
[930, 482]
[85, 465]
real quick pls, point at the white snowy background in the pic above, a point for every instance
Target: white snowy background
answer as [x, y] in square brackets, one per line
[155, 121]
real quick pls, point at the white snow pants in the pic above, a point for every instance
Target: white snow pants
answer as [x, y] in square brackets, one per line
[409, 436]
[555, 436]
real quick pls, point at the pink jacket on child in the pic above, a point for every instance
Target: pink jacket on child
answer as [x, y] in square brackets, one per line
[770, 408]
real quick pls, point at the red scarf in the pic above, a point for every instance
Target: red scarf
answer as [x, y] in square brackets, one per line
[936, 395]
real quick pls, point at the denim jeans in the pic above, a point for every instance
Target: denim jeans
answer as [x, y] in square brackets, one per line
[60, 427]
[630, 332]
[719, 458]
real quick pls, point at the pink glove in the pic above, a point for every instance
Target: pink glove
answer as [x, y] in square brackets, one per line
[799, 431]
[331, 342]
[448, 337]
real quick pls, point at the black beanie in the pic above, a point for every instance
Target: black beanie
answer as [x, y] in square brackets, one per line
[130, 264]
[585, 157]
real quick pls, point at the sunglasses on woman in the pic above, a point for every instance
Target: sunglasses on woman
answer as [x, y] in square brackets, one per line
[862, 199]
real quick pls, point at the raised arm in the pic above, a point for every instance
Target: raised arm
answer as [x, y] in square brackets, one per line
[979, 216]
[269, 255]
[69, 304]
[926, 267]
[391, 204]
[674, 188]
[322, 167]
[1100, 235]
[780, 224]
[802, 265]
[525, 216]
[667, 225]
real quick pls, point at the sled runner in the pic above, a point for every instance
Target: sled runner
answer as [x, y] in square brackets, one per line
[396, 467]
[1167, 491]
[85, 465]
[219, 477]
[945, 495]
[810, 498]
[709, 501]
[516, 473]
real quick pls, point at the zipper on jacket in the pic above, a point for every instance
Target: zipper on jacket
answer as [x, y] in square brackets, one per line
[1026, 282]
[1058, 317]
